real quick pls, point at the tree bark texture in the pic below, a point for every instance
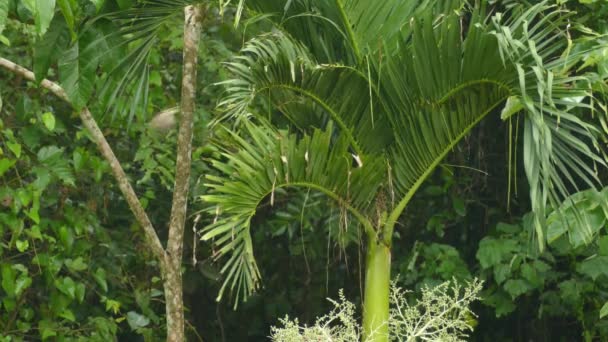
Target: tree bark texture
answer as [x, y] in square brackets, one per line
[173, 282]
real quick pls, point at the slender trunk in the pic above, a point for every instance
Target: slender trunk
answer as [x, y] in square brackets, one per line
[174, 302]
[376, 296]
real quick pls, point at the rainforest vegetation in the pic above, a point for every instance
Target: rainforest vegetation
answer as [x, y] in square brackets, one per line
[303, 170]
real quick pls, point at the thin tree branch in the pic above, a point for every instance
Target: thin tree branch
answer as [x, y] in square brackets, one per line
[89, 122]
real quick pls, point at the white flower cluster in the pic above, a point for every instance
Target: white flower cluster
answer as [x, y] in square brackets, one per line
[339, 325]
[441, 314]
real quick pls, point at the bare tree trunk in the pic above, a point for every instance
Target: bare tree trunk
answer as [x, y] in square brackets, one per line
[173, 281]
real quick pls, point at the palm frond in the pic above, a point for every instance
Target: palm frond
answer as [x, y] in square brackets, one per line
[560, 144]
[346, 31]
[267, 161]
[440, 97]
[126, 46]
[275, 67]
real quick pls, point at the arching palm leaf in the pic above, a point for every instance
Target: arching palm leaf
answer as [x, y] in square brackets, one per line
[125, 45]
[409, 103]
[436, 98]
[275, 67]
[267, 161]
[347, 30]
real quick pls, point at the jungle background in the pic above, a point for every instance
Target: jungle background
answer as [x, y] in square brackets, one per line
[73, 265]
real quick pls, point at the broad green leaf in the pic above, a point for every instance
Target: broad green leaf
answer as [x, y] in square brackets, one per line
[6, 164]
[77, 70]
[581, 216]
[43, 12]
[112, 305]
[22, 283]
[78, 159]
[603, 244]
[25, 197]
[35, 233]
[604, 310]
[68, 314]
[512, 106]
[67, 286]
[3, 18]
[66, 237]
[68, 12]
[100, 278]
[8, 279]
[594, 267]
[137, 320]
[98, 4]
[43, 177]
[492, 251]
[15, 147]
[49, 121]
[532, 275]
[76, 265]
[502, 303]
[507, 228]
[516, 287]
[48, 49]
[80, 291]
[49, 153]
[47, 329]
[459, 206]
[501, 272]
[22, 245]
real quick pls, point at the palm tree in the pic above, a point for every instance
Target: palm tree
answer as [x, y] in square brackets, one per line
[377, 93]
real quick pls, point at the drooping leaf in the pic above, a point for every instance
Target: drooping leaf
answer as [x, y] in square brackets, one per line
[512, 106]
[8, 279]
[581, 216]
[100, 278]
[43, 12]
[68, 13]
[604, 310]
[77, 68]
[261, 169]
[3, 16]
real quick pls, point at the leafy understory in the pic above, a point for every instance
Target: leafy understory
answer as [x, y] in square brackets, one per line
[441, 314]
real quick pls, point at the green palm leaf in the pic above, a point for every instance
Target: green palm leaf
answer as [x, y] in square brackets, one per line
[126, 46]
[436, 98]
[407, 104]
[266, 161]
[276, 68]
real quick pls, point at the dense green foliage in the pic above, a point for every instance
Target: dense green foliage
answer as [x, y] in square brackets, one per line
[73, 265]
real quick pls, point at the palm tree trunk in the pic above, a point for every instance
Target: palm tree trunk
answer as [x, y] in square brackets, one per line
[376, 296]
